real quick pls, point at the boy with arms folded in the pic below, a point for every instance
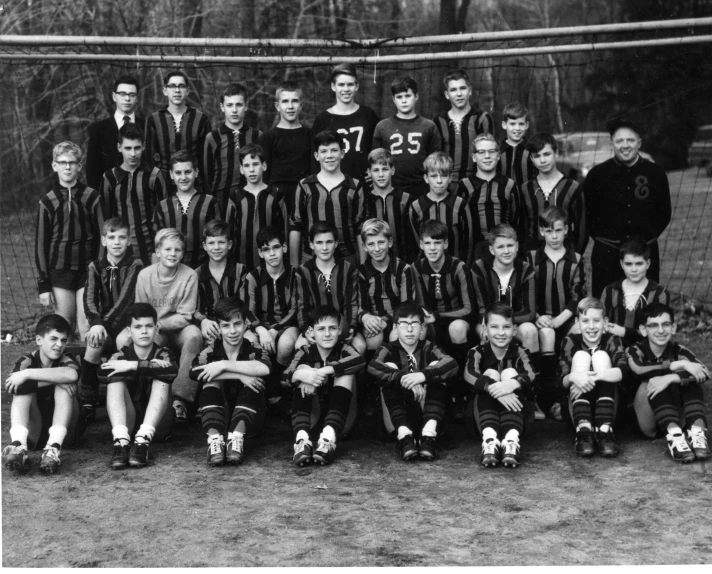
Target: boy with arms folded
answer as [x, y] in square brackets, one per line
[514, 160]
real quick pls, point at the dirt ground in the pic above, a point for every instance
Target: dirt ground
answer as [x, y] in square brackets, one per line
[368, 509]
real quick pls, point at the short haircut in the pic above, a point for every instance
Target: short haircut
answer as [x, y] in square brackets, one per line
[141, 310]
[380, 156]
[234, 89]
[514, 111]
[168, 234]
[114, 224]
[268, 234]
[323, 227]
[230, 308]
[131, 131]
[67, 148]
[125, 79]
[434, 229]
[454, 75]
[408, 309]
[373, 227]
[500, 309]
[589, 303]
[550, 215]
[173, 74]
[345, 69]
[216, 228]
[52, 322]
[501, 230]
[403, 84]
[634, 246]
[485, 137]
[327, 137]
[618, 123]
[657, 309]
[538, 142]
[288, 86]
[184, 156]
[252, 150]
[323, 312]
[439, 162]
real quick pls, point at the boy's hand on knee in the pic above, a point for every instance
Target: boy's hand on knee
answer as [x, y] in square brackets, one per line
[510, 402]
[209, 371]
[266, 339]
[47, 299]
[209, 329]
[545, 322]
[96, 336]
[697, 370]
[429, 317]
[497, 390]
[257, 384]
[372, 325]
[410, 380]
[310, 376]
[307, 389]
[418, 392]
[657, 385]
[616, 330]
[117, 366]
[583, 381]
[15, 381]
[160, 363]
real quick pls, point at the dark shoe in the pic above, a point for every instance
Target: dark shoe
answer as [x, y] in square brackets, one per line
[88, 411]
[607, 444]
[303, 451]
[235, 450]
[139, 454]
[216, 450]
[491, 452]
[511, 456]
[325, 451]
[180, 412]
[585, 442]
[406, 447]
[120, 456]
[698, 442]
[49, 463]
[428, 449]
[679, 449]
[14, 456]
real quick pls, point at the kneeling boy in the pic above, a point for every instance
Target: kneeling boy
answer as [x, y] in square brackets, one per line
[502, 378]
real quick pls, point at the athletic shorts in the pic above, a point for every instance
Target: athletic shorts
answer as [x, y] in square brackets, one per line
[68, 279]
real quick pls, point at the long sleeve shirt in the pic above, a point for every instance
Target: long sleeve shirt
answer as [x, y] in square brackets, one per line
[609, 343]
[272, 303]
[447, 293]
[382, 292]
[344, 359]
[490, 203]
[175, 300]
[146, 368]
[431, 360]
[560, 285]
[481, 359]
[645, 364]
[516, 163]
[34, 361]
[457, 138]
[215, 351]
[520, 293]
[210, 291]
[393, 209]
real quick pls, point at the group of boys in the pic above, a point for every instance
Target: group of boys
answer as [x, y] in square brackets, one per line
[399, 280]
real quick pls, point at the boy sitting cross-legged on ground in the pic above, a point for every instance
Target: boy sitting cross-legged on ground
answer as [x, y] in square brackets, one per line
[325, 368]
[591, 364]
[232, 372]
[138, 388]
[43, 386]
[412, 371]
[671, 381]
[503, 379]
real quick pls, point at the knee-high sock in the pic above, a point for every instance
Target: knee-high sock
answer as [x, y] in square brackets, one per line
[89, 388]
[212, 410]
[339, 403]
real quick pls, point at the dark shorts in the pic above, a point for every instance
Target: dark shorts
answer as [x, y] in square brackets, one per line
[68, 279]
[139, 388]
[439, 332]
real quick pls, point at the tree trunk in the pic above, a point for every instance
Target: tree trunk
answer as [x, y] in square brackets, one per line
[448, 17]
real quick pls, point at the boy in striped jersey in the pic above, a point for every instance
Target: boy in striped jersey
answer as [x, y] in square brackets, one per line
[325, 368]
[514, 161]
[69, 222]
[492, 198]
[502, 379]
[221, 151]
[412, 373]
[551, 188]
[389, 204]
[187, 210]
[256, 205]
[461, 124]
[442, 203]
[132, 191]
[176, 127]
[330, 195]
[108, 296]
[560, 283]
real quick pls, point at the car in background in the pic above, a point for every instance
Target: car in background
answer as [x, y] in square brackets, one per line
[580, 151]
[700, 151]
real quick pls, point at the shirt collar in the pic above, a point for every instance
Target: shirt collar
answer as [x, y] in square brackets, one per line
[266, 278]
[119, 118]
[540, 255]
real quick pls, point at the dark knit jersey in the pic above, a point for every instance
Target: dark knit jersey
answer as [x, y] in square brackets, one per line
[624, 201]
[221, 161]
[288, 154]
[34, 361]
[201, 209]
[559, 285]
[457, 139]
[110, 292]
[568, 195]
[162, 140]
[451, 210]
[448, 294]
[520, 293]
[645, 364]
[481, 359]
[341, 292]
[215, 351]
[140, 381]
[430, 359]
[516, 163]
[356, 130]
[393, 209]
[68, 231]
[133, 196]
[410, 142]
[343, 358]
[252, 213]
[272, 303]
[490, 203]
[382, 292]
[572, 343]
[232, 284]
[613, 300]
[343, 206]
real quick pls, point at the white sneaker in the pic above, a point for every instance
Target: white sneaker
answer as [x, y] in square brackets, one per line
[235, 449]
[698, 442]
[679, 449]
[491, 452]
[511, 453]
[325, 451]
[216, 450]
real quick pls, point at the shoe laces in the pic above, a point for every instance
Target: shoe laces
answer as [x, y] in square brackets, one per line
[489, 446]
[511, 447]
[51, 453]
[325, 444]
[215, 446]
[301, 445]
[237, 442]
[698, 440]
[678, 441]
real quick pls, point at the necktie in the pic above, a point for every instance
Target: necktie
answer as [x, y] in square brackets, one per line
[412, 364]
[127, 120]
[438, 289]
[114, 282]
[327, 282]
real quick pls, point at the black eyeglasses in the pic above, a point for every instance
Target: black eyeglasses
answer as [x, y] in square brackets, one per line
[176, 86]
[129, 95]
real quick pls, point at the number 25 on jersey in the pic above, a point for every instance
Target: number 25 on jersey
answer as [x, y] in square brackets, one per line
[413, 146]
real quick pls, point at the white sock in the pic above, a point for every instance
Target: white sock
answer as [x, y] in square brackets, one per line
[430, 428]
[213, 434]
[121, 433]
[694, 429]
[605, 427]
[235, 434]
[328, 434]
[404, 432]
[56, 435]
[145, 433]
[302, 435]
[512, 435]
[584, 425]
[488, 433]
[674, 429]
[19, 433]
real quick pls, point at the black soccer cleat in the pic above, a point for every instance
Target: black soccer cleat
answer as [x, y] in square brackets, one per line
[406, 447]
[139, 454]
[491, 453]
[607, 444]
[428, 450]
[303, 451]
[585, 442]
[325, 452]
[120, 456]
